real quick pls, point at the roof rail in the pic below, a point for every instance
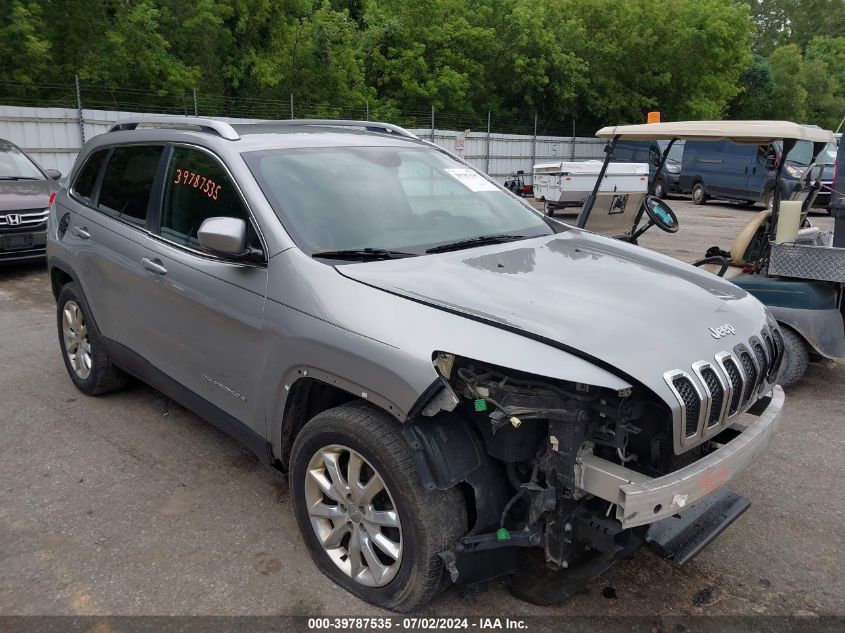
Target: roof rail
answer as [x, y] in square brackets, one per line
[211, 126]
[370, 126]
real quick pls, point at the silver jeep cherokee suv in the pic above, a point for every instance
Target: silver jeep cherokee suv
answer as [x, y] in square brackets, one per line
[457, 387]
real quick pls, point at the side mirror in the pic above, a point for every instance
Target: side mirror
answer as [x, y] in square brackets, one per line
[53, 174]
[227, 236]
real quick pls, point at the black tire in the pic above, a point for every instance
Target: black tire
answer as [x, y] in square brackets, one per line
[796, 357]
[699, 193]
[103, 376]
[550, 211]
[431, 520]
[660, 189]
[768, 199]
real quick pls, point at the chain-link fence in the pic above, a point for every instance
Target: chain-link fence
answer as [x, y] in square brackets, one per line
[51, 121]
[77, 93]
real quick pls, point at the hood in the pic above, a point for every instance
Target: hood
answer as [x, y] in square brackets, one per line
[16, 195]
[622, 305]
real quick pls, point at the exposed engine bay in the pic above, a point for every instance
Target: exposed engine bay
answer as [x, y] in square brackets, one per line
[514, 441]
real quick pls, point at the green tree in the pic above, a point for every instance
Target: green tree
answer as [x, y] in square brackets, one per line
[133, 52]
[824, 65]
[789, 96]
[24, 49]
[755, 100]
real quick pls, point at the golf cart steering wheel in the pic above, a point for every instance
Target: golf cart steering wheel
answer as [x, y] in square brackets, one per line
[661, 214]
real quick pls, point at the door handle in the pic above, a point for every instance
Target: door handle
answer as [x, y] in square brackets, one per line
[746, 169]
[753, 170]
[81, 233]
[154, 265]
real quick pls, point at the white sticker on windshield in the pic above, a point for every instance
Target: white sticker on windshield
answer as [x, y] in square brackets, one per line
[471, 180]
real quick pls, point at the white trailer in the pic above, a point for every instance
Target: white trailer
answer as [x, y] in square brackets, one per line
[568, 183]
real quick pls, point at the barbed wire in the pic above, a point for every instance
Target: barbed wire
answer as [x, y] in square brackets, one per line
[93, 96]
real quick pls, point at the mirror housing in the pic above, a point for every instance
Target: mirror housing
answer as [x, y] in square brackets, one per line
[53, 174]
[227, 237]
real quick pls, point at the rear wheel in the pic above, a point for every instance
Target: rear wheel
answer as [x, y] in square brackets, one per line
[796, 357]
[367, 520]
[86, 360]
[699, 195]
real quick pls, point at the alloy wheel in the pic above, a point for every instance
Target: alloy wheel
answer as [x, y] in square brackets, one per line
[77, 344]
[353, 515]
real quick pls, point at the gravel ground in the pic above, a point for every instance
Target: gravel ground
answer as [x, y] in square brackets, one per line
[128, 504]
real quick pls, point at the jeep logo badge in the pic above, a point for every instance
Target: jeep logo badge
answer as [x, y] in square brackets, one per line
[722, 330]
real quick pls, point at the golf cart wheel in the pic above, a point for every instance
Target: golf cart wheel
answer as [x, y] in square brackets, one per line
[796, 357]
[660, 190]
[368, 522]
[699, 194]
[86, 360]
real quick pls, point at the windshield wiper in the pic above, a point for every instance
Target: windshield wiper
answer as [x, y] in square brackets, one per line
[474, 241]
[17, 178]
[363, 254]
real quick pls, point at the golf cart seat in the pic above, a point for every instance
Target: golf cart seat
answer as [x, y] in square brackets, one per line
[733, 263]
[749, 244]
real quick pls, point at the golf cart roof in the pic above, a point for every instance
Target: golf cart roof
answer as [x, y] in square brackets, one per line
[737, 131]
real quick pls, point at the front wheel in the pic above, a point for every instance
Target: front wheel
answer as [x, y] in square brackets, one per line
[367, 520]
[699, 194]
[769, 199]
[796, 357]
[660, 190]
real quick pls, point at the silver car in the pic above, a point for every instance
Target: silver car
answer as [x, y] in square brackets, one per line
[457, 387]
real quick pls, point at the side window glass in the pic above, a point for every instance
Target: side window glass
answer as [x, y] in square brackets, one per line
[128, 181]
[83, 187]
[197, 188]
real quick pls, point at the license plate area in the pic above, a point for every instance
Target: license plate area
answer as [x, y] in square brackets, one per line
[17, 242]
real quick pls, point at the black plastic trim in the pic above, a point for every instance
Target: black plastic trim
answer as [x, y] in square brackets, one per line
[142, 369]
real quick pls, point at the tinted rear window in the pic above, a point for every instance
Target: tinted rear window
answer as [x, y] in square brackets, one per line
[84, 185]
[127, 183]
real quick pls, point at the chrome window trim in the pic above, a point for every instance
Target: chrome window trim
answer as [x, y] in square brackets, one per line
[252, 218]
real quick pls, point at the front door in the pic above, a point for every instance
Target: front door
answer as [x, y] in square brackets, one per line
[206, 331]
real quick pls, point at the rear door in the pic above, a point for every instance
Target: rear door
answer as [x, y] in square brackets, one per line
[109, 233]
[206, 329]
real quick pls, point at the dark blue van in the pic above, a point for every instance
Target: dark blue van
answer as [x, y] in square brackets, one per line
[734, 171]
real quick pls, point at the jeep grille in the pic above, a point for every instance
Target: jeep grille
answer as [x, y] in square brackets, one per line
[715, 391]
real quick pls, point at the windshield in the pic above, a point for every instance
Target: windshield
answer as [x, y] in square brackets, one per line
[398, 198]
[15, 164]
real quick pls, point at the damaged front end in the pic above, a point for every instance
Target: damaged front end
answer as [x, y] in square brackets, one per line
[562, 479]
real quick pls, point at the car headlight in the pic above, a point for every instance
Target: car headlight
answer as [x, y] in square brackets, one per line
[794, 171]
[673, 169]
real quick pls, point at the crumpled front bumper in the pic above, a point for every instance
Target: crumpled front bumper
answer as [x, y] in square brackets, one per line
[641, 500]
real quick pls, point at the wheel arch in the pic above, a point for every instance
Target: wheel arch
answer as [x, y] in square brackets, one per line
[307, 391]
[61, 274]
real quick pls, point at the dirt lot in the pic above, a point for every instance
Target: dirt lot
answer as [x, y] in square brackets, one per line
[128, 504]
